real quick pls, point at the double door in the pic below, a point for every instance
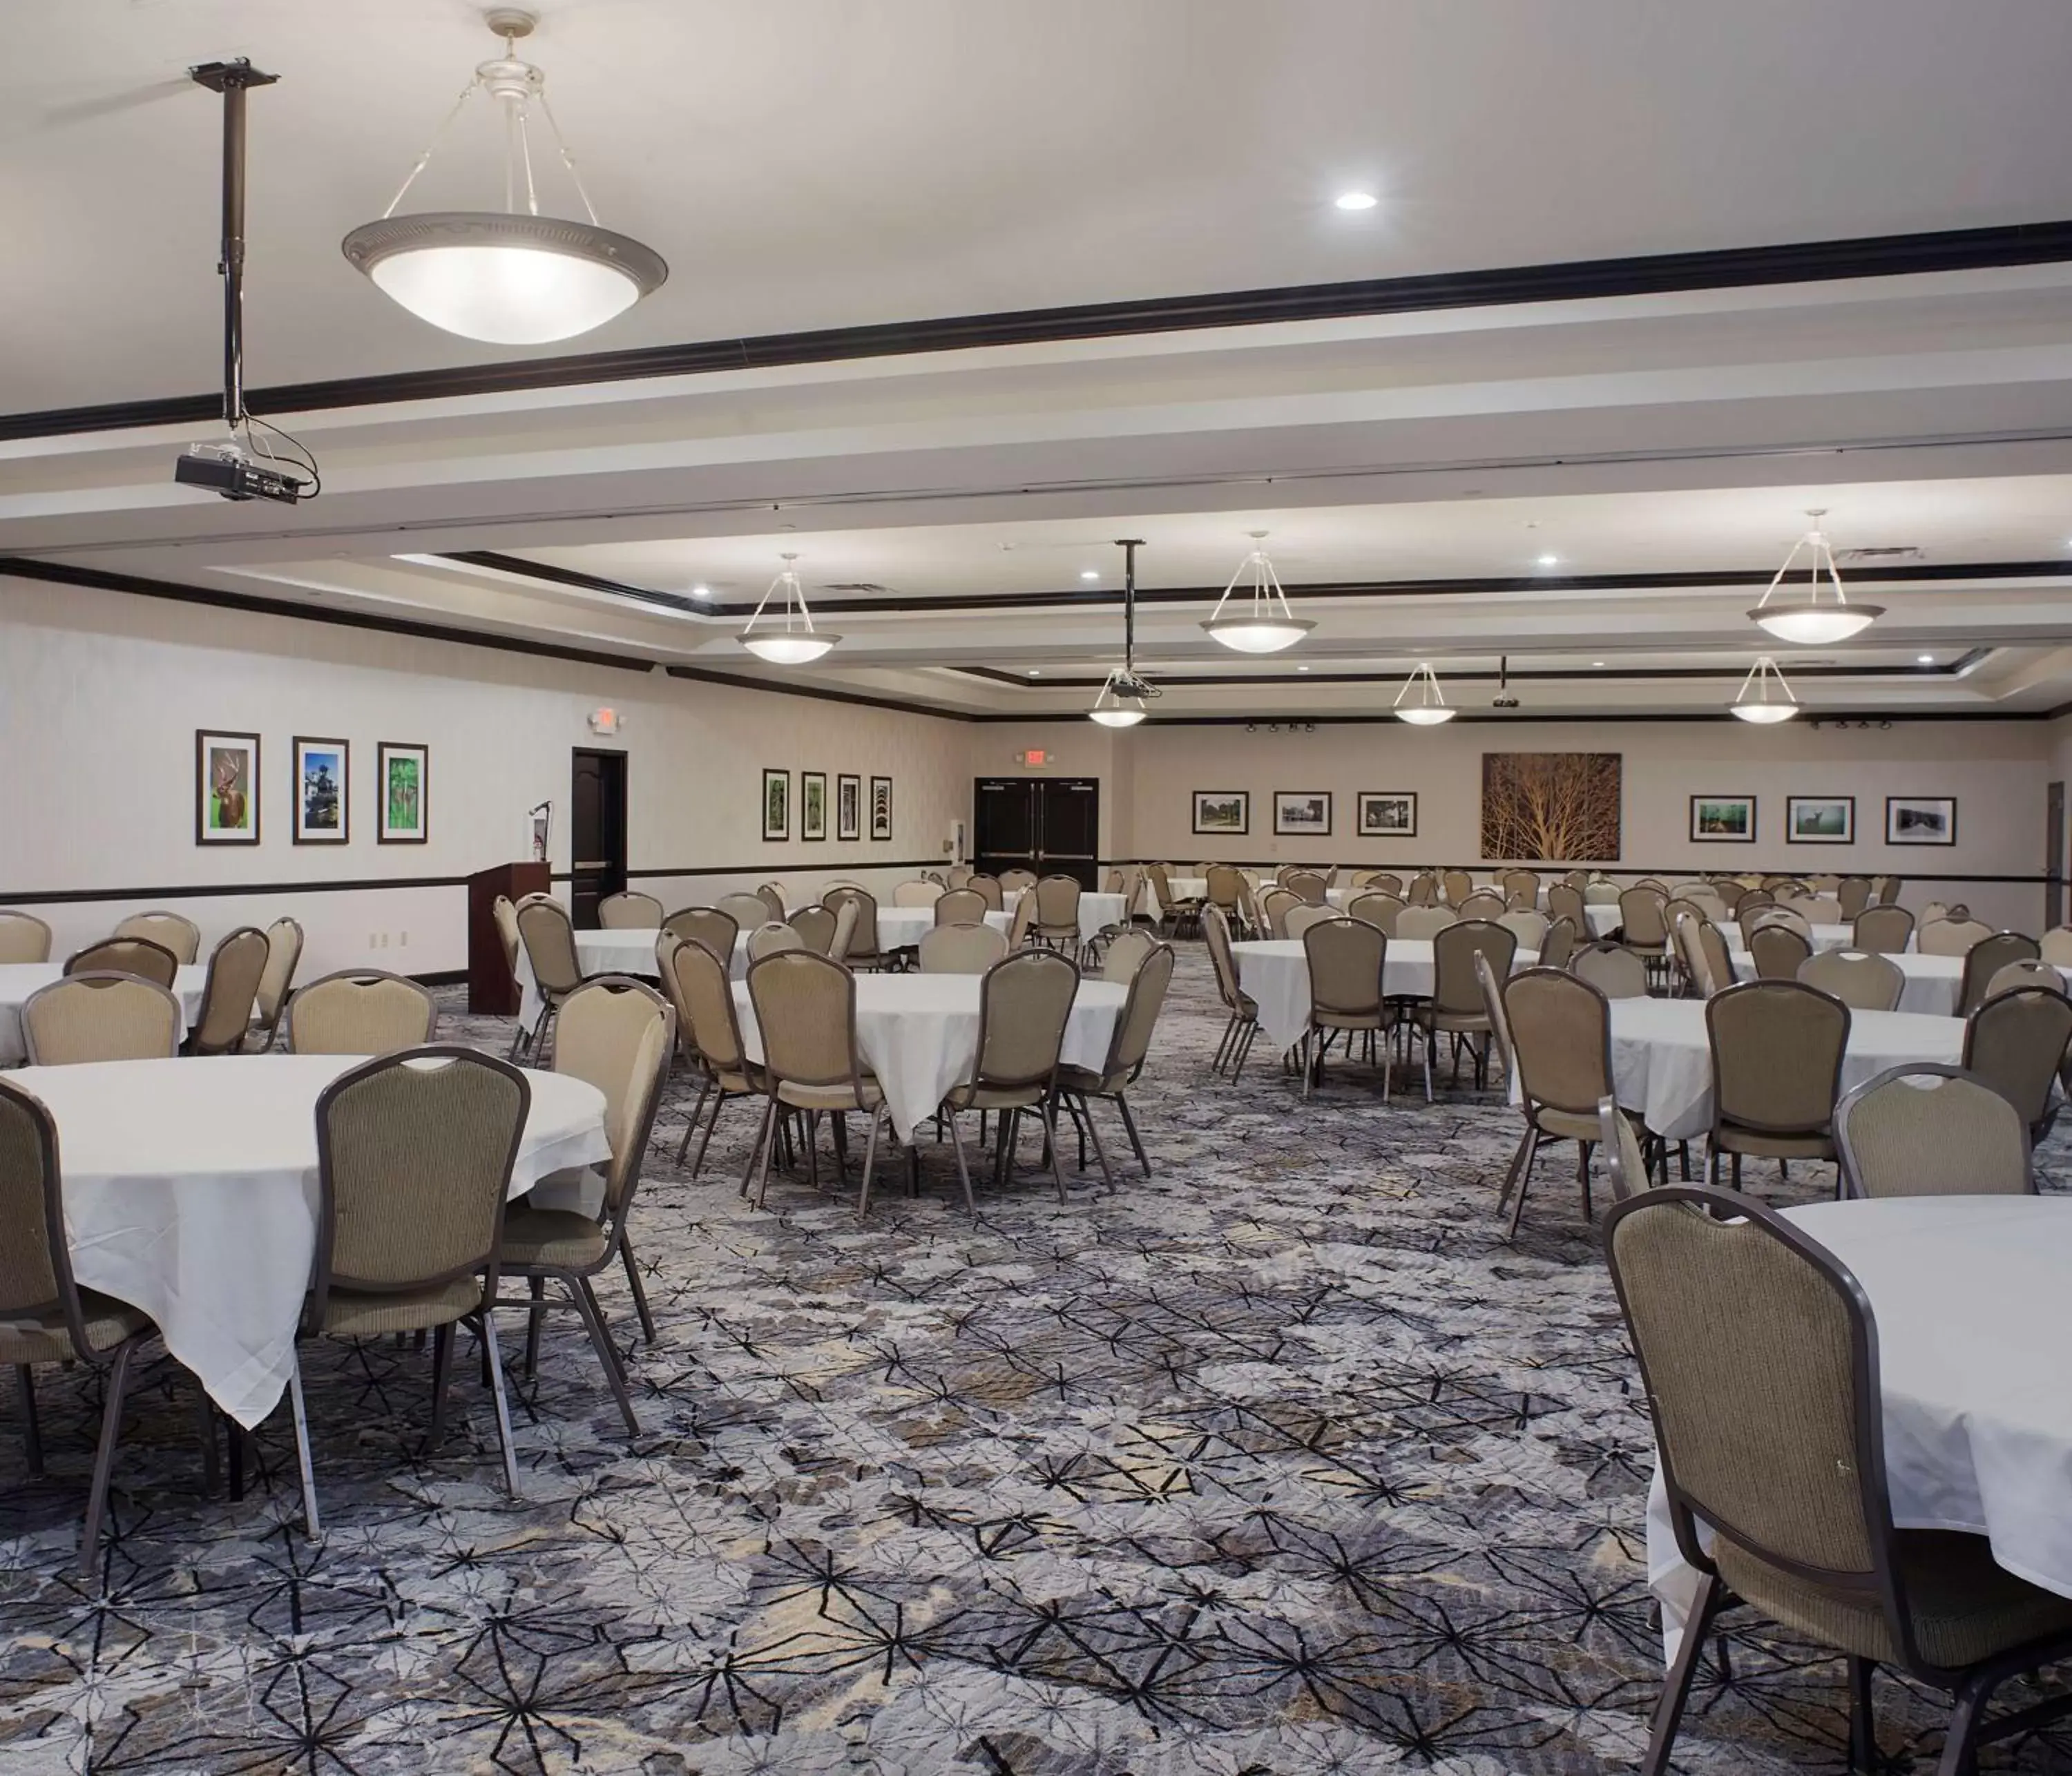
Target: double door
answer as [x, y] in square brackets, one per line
[1050, 825]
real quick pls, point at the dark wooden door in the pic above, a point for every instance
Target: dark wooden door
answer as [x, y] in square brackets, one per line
[1050, 825]
[1069, 818]
[2054, 865]
[596, 831]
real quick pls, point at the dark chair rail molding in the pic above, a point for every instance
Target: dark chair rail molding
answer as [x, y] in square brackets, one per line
[1671, 873]
[1807, 261]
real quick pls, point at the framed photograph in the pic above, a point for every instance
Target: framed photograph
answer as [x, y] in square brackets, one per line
[1820, 819]
[1302, 813]
[812, 804]
[1225, 810]
[320, 791]
[1387, 814]
[880, 808]
[1920, 819]
[1722, 819]
[848, 808]
[776, 804]
[226, 788]
[403, 772]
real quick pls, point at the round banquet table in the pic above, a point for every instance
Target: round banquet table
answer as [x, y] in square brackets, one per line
[1824, 937]
[1097, 911]
[1931, 983]
[1662, 1061]
[630, 951]
[918, 1035]
[1973, 1319]
[1276, 973]
[18, 979]
[191, 1192]
[903, 927]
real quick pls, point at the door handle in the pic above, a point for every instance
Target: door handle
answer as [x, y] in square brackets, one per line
[599, 863]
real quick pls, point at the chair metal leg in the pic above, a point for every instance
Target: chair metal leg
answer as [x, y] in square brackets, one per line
[638, 1289]
[1524, 1178]
[691, 1127]
[104, 1458]
[496, 1356]
[712, 1122]
[607, 1354]
[1677, 1687]
[1136, 1140]
[442, 1344]
[312, 1526]
[758, 1155]
[1519, 1157]
[1100, 1153]
[32, 1432]
[963, 1170]
[537, 1288]
[812, 1149]
[1862, 1723]
[1960, 1740]
[1584, 1149]
[1049, 1114]
[869, 1161]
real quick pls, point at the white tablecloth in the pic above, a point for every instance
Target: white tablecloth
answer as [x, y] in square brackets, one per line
[1973, 1322]
[1825, 937]
[191, 1192]
[627, 952]
[18, 979]
[1276, 972]
[1932, 982]
[1097, 912]
[918, 1035]
[903, 927]
[1662, 1063]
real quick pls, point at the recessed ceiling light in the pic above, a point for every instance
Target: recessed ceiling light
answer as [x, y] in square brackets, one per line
[1550, 561]
[1924, 660]
[1597, 663]
[1089, 573]
[701, 591]
[1035, 672]
[1301, 669]
[1356, 201]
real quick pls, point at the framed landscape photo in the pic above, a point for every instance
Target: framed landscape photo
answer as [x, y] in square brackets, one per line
[402, 774]
[848, 808]
[812, 804]
[226, 788]
[1722, 819]
[880, 808]
[1302, 813]
[776, 804]
[1920, 819]
[321, 811]
[1820, 819]
[1387, 814]
[1227, 811]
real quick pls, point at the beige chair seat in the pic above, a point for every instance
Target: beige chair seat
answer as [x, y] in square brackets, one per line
[348, 1315]
[1764, 1144]
[555, 1239]
[48, 1339]
[1965, 1608]
[743, 1084]
[1325, 1018]
[994, 1097]
[1466, 1023]
[1081, 1078]
[1565, 1124]
[830, 1097]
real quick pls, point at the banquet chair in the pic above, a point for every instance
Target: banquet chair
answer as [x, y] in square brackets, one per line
[1176, 915]
[1483, 903]
[1558, 944]
[284, 954]
[615, 1033]
[1885, 889]
[1853, 894]
[1730, 892]
[1455, 1008]
[142, 956]
[708, 1026]
[805, 1008]
[1561, 1043]
[1299, 919]
[1022, 921]
[1862, 981]
[1933, 909]
[1126, 954]
[1492, 993]
[987, 889]
[23, 938]
[549, 937]
[45, 1316]
[2024, 971]
[360, 1011]
[236, 967]
[1223, 887]
[1818, 910]
[1424, 890]
[1012, 882]
[1928, 1129]
[960, 906]
[1777, 949]
[1565, 902]
[177, 932]
[1528, 925]
[1306, 886]
[749, 910]
[1751, 902]
[2055, 946]
[1522, 883]
[1987, 957]
[2016, 1042]
[771, 894]
[1644, 928]
[1615, 971]
[413, 1170]
[968, 947]
[1777, 1048]
[1377, 908]
[773, 940]
[503, 914]
[629, 910]
[1759, 1358]
[716, 930]
[1422, 924]
[1025, 1000]
[99, 1016]
[844, 939]
[1953, 935]
[1275, 904]
[1346, 958]
[1241, 1026]
[816, 926]
[1626, 1157]
[863, 952]
[1653, 884]
[1882, 931]
[1129, 1047]
[1457, 885]
[1684, 933]
[915, 894]
[1057, 913]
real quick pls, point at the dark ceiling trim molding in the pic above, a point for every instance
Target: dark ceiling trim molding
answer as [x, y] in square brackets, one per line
[1731, 672]
[1094, 598]
[823, 693]
[1294, 723]
[1809, 261]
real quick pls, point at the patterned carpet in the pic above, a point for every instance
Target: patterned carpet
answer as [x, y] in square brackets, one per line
[1281, 1463]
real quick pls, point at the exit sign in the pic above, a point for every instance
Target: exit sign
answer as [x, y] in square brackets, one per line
[1035, 755]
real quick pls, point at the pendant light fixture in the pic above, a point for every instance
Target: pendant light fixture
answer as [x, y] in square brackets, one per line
[1814, 624]
[512, 277]
[1268, 625]
[1430, 709]
[798, 643]
[1122, 694]
[1764, 698]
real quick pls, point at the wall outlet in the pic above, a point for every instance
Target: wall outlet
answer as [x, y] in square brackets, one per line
[371, 944]
[403, 940]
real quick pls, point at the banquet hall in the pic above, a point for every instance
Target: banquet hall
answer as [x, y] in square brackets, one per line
[1153, 889]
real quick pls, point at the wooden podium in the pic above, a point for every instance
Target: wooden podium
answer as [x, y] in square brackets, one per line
[490, 988]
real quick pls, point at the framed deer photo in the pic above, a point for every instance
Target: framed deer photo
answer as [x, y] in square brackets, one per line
[226, 788]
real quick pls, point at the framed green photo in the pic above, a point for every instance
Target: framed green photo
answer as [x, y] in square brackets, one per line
[226, 788]
[812, 804]
[848, 807]
[776, 804]
[405, 777]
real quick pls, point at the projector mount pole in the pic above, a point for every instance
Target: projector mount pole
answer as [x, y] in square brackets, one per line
[232, 79]
[1129, 546]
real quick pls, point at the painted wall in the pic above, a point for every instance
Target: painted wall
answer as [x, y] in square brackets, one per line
[101, 694]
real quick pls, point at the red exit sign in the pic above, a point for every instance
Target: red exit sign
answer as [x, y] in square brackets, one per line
[1035, 755]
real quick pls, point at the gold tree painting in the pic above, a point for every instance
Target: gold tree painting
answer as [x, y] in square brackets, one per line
[1550, 807]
